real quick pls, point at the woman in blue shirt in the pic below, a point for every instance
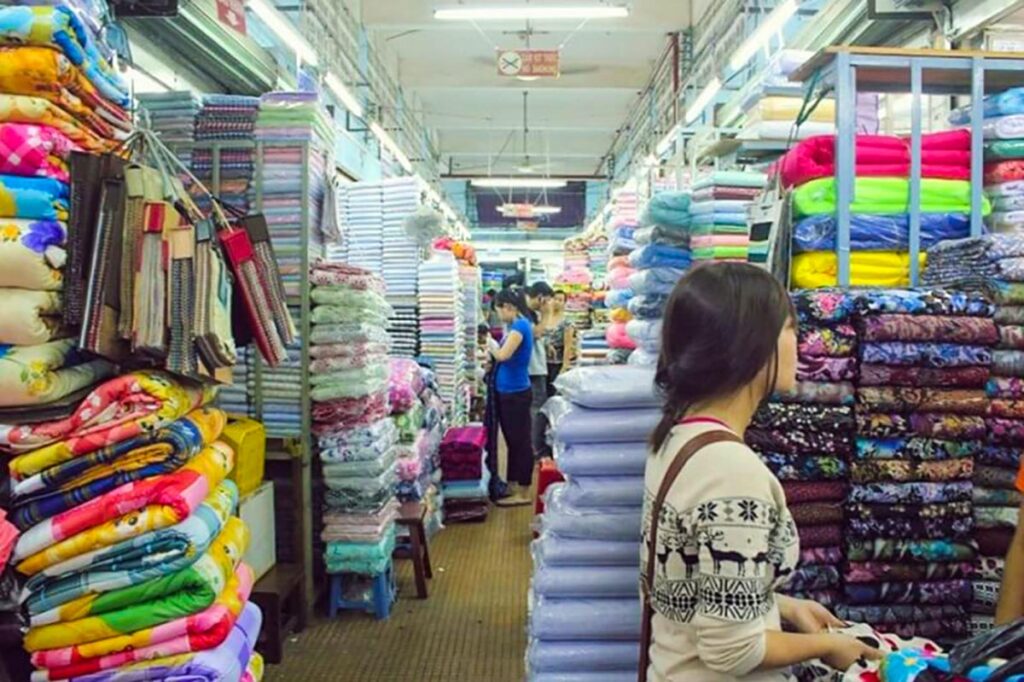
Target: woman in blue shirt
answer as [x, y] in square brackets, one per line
[512, 381]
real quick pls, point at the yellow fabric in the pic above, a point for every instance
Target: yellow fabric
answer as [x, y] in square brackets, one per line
[254, 671]
[40, 111]
[620, 315]
[788, 108]
[867, 269]
[213, 463]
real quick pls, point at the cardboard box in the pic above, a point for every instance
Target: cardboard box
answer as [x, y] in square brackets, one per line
[257, 510]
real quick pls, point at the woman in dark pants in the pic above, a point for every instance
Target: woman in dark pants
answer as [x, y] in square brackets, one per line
[512, 383]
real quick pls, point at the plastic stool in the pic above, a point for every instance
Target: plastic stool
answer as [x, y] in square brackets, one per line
[384, 593]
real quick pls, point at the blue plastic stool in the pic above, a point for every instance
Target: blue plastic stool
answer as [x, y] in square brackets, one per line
[384, 593]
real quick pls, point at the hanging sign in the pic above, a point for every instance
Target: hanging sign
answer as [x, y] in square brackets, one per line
[528, 63]
[232, 13]
[517, 210]
[527, 225]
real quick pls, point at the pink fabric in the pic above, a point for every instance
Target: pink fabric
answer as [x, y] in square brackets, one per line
[949, 140]
[617, 337]
[33, 150]
[1004, 171]
[336, 416]
[709, 240]
[618, 262]
[619, 277]
[404, 384]
[8, 535]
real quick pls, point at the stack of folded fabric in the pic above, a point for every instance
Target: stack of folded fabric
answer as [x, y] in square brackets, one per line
[429, 440]
[130, 545]
[719, 230]
[357, 440]
[597, 256]
[771, 103]
[172, 115]
[925, 357]
[808, 441]
[574, 254]
[879, 224]
[363, 225]
[226, 118]
[472, 316]
[415, 463]
[584, 604]
[465, 475]
[575, 282]
[662, 255]
[400, 198]
[442, 332]
[621, 242]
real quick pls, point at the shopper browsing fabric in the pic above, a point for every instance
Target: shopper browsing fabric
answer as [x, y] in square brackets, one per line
[512, 381]
[539, 300]
[718, 536]
[561, 342]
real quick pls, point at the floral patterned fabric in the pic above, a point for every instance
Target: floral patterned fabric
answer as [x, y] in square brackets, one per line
[30, 317]
[952, 377]
[824, 305]
[36, 375]
[900, 470]
[803, 417]
[840, 393]
[789, 468]
[821, 555]
[877, 571]
[941, 426]
[814, 577]
[899, 613]
[1008, 363]
[1011, 337]
[924, 354]
[38, 110]
[911, 493]
[32, 254]
[33, 150]
[1005, 431]
[996, 498]
[902, 399]
[939, 592]
[966, 330]
[1009, 409]
[920, 551]
[833, 342]
[925, 302]
[1009, 314]
[1005, 387]
[1010, 293]
[920, 528]
[33, 198]
[896, 510]
[995, 477]
[800, 442]
[826, 369]
[921, 449]
[996, 517]
[994, 455]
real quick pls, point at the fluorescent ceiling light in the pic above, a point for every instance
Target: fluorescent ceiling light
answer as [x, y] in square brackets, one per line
[705, 97]
[525, 183]
[530, 12]
[391, 146]
[533, 210]
[344, 95]
[284, 28]
[669, 138]
[772, 24]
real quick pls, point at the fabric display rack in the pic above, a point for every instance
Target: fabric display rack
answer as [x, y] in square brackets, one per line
[442, 329]
[584, 615]
[719, 230]
[356, 439]
[576, 281]
[660, 260]
[466, 478]
[621, 243]
[472, 316]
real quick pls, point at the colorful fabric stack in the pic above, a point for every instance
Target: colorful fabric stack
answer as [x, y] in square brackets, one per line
[880, 224]
[772, 103]
[621, 243]
[660, 260]
[808, 440]
[129, 545]
[719, 230]
[576, 283]
[465, 475]
[226, 118]
[584, 605]
[415, 466]
[921, 406]
[58, 96]
[597, 255]
[442, 331]
[400, 198]
[472, 316]
[172, 115]
[357, 440]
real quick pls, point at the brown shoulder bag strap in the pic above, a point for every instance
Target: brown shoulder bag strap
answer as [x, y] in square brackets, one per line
[691, 448]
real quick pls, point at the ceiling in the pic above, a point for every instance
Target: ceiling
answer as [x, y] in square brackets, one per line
[477, 115]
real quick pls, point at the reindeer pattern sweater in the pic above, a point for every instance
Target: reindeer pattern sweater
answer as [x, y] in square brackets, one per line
[726, 541]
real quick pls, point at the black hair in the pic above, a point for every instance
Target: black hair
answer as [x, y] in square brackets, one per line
[721, 328]
[538, 289]
[483, 329]
[511, 297]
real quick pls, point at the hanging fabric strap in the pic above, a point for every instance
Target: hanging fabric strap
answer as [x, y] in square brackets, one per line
[692, 447]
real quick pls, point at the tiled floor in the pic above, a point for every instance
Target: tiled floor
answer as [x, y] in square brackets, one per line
[471, 629]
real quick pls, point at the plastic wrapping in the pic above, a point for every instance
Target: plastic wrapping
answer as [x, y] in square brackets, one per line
[609, 387]
[643, 358]
[667, 208]
[588, 524]
[570, 657]
[585, 619]
[601, 459]
[584, 677]
[601, 492]
[646, 334]
[618, 298]
[664, 235]
[617, 337]
[359, 487]
[468, 490]
[655, 280]
[818, 269]
[659, 256]
[648, 306]
[618, 278]
[552, 550]
[879, 232]
[585, 581]
[575, 424]
[363, 469]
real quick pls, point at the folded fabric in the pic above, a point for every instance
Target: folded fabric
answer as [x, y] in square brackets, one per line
[878, 572]
[126, 512]
[41, 111]
[817, 513]
[996, 517]
[146, 605]
[833, 393]
[1008, 363]
[117, 410]
[900, 613]
[867, 511]
[886, 195]
[32, 198]
[833, 342]
[929, 425]
[133, 561]
[1008, 409]
[899, 470]
[730, 178]
[828, 307]
[813, 556]
[924, 301]
[827, 419]
[988, 497]
[938, 592]
[927, 354]
[68, 485]
[944, 377]
[800, 442]
[1003, 146]
[964, 330]
[798, 492]
[28, 149]
[30, 317]
[957, 528]
[911, 551]
[820, 536]
[32, 254]
[36, 375]
[911, 493]
[198, 632]
[818, 269]
[826, 369]
[659, 256]
[987, 476]
[805, 468]
[914, 449]
[903, 399]
[811, 578]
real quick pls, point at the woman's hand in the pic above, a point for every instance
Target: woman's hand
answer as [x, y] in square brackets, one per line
[807, 616]
[844, 651]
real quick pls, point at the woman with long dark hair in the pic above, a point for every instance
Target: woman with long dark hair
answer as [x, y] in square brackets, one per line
[718, 537]
[514, 395]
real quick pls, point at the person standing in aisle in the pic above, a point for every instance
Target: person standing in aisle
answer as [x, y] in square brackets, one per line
[539, 297]
[514, 395]
[561, 342]
[718, 538]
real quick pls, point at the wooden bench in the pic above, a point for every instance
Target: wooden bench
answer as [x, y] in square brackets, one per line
[279, 594]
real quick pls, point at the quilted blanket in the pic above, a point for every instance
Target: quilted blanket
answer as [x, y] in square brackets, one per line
[133, 561]
[32, 254]
[125, 512]
[41, 111]
[34, 150]
[33, 198]
[36, 375]
[75, 482]
[30, 317]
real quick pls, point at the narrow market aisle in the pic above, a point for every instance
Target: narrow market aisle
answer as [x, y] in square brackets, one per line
[473, 626]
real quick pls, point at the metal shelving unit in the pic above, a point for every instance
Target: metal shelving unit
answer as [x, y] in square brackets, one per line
[849, 70]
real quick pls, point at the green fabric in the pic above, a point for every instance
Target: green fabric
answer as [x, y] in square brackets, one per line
[363, 558]
[336, 314]
[886, 196]
[343, 295]
[731, 179]
[713, 252]
[700, 230]
[409, 423]
[1005, 149]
